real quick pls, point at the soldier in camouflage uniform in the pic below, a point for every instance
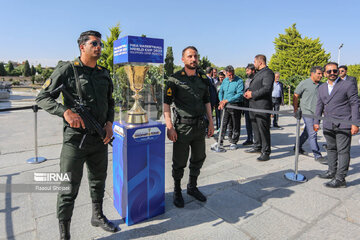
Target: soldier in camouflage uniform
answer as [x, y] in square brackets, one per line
[188, 89]
[96, 93]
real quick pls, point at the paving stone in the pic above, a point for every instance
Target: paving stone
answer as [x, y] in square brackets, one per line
[233, 206]
[263, 185]
[332, 228]
[244, 171]
[311, 169]
[16, 129]
[273, 225]
[16, 216]
[175, 224]
[17, 160]
[31, 235]
[211, 184]
[221, 166]
[349, 210]
[301, 203]
[81, 228]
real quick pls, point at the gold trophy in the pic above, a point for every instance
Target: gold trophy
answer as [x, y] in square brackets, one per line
[136, 76]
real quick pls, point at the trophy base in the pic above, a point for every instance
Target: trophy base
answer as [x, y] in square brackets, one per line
[138, 118]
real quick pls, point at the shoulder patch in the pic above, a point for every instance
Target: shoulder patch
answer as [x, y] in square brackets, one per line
[203, 76]
[76, 63]
[98, 67]
[169, 92]
[183, 73]
[47, 83]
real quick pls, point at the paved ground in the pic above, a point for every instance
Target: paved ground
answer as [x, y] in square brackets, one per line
[246, 199]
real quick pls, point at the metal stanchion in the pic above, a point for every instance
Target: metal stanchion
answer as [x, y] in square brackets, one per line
[295, 176]
[36, 159]
[219, 148]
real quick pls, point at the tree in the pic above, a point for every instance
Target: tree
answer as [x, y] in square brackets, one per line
[120, 86]
[295, 55]
[354, 70]
[204, 62]
[26, 70]
[17, 71]
[106, 60]
[38, 68]
[2, 69]
[33, 70]
[46, 73]
[154, 85]
[107, 54]
[169, 62]
[241, 72]
[10, 67]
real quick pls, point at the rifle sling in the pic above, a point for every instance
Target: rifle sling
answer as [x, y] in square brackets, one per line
[78, 86]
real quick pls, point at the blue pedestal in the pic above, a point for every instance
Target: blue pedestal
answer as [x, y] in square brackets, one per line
[139, 170]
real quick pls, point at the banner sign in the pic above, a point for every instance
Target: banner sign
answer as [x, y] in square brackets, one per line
[138, 49]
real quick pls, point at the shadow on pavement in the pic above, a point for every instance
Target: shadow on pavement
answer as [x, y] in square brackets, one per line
[230, 202]
[8, 207]
[355, 151]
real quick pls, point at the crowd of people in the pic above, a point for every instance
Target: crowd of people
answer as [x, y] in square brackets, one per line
[264, 90]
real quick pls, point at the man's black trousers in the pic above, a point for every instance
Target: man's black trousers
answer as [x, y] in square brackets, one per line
[276, 107]
[232, 119]
[338, 151]
[261, 127]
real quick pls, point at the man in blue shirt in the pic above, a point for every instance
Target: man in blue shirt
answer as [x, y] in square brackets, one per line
[231, 91]
[277, 98]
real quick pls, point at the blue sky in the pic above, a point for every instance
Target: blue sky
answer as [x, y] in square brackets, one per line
[228, 32]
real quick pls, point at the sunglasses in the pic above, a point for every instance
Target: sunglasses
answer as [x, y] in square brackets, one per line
[332, 70]
[96, 43]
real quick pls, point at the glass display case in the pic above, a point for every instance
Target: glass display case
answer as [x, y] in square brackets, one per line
[138, 92]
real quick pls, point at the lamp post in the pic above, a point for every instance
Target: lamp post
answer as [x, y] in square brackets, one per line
[341, 45]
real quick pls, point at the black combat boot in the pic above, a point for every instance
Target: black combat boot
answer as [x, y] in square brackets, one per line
[177, 197]
[192, 190]
[99, 220]
[64, 227]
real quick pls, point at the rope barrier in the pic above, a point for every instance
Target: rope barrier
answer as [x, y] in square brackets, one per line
[292, 176]
[286, 113]
[19, 108]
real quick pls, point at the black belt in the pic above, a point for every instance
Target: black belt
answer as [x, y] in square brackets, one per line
[190, 120]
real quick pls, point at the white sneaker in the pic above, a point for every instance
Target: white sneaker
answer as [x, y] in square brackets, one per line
[233, 146]
[214, 145]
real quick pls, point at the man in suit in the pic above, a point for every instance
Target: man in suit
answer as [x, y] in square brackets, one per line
[343, 75]
[277, 98]
[250, 72]
[214, 100]
[215, 77]
[337, 99]
[259, 95]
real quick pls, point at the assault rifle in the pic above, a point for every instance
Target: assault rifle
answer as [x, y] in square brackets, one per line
[91, 124]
